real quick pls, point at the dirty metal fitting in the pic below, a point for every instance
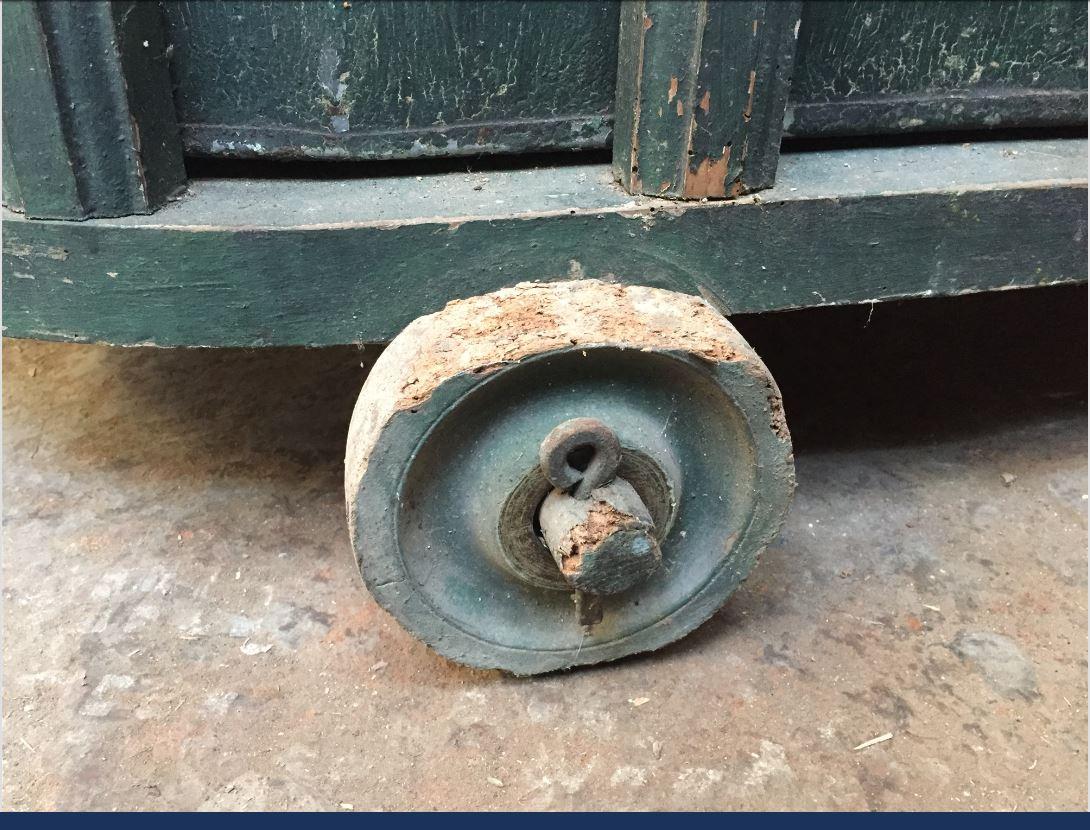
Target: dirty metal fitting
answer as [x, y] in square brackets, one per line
[579, 455]
[596, 526]
[604, 544]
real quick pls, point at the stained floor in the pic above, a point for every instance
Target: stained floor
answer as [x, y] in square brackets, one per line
[183, 627]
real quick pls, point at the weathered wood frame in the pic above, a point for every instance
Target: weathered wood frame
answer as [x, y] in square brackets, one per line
[95, 132]
[701, 93]
[252, 263]
[561, 101]
[258, 262]
[702, 88]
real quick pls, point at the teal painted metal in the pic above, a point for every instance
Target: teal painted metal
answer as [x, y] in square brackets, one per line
[875, 66]
[701, 91]
[388, 79]
[88, 121]
[248, 263]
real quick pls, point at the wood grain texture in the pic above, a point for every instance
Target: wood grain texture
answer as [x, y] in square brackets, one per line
[874, 66]
[701, 94]
[392, 79]
[88, 122]
[275, 263]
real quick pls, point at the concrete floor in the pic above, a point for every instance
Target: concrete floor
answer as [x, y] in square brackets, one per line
[183, 627]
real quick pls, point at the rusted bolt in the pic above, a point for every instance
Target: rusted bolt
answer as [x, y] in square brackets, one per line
[603, 544]
[600, 534]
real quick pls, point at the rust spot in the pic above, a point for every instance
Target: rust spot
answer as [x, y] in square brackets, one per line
[603, 520]
[747, 113]
[709, 178]
[647, 23]
[664, 186]
[672, 94]
[706, 102]
[680, 108]
[483, 334]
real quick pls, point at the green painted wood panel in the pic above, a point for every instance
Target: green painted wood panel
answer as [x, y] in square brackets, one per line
[387, 79]
[876, 66]
[35, 148]
[277, 262]
[700, 96]
[89, 127]
[391, 79]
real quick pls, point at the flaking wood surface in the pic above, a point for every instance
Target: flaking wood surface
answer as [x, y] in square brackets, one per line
[700, 96]
[874, 66]
[287, 79]
[392, 79]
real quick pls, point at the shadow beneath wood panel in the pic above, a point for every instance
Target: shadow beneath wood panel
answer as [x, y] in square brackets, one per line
[893, 373]
[925, 370]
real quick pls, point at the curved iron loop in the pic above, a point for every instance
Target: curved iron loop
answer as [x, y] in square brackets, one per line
[580, 455]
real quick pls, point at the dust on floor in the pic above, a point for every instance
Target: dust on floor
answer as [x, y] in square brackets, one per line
[184, 628]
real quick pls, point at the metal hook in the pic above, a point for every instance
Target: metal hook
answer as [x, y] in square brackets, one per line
[560, 462]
